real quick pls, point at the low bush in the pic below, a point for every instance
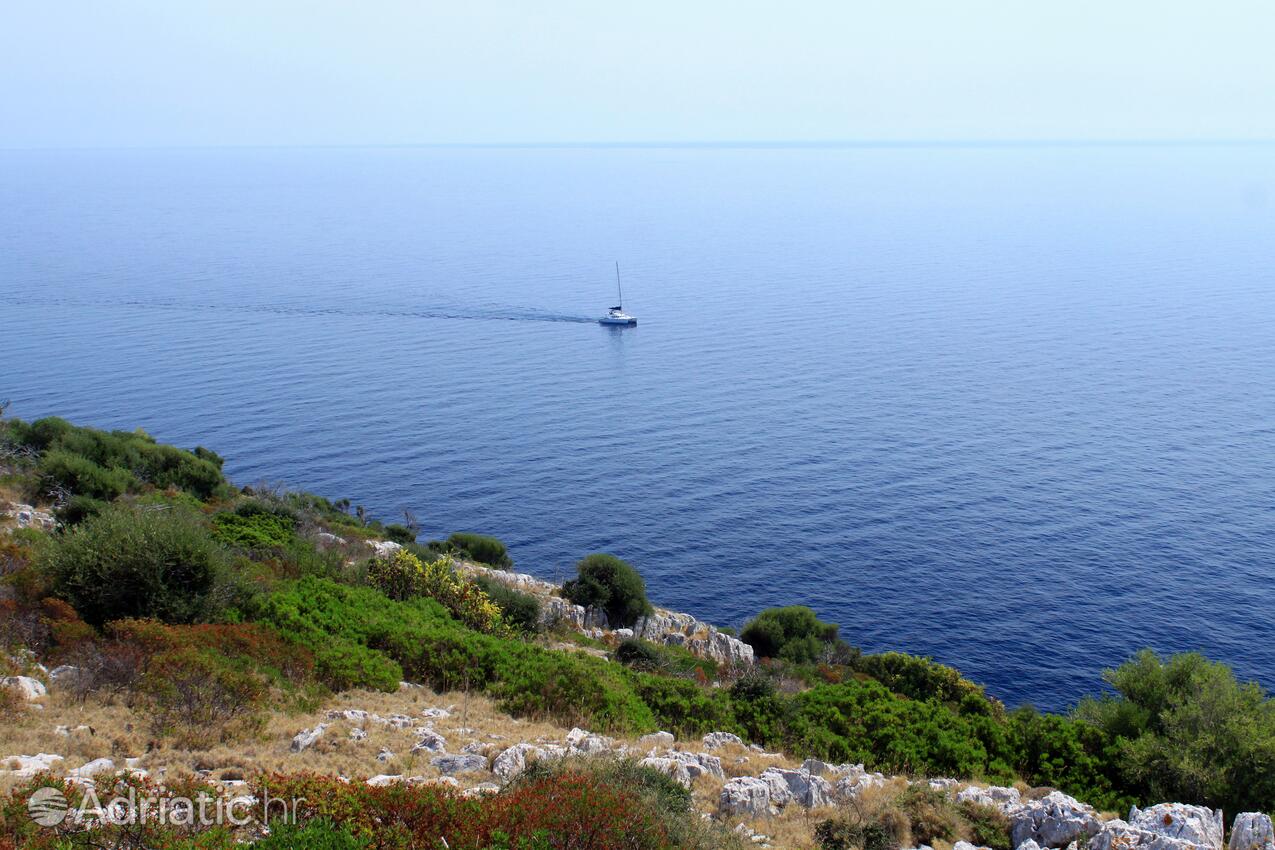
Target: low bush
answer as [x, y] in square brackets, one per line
[792, 634]
[924, 678]
[137, 563]
[400, 534]
[606, 582]
[481, 548]
[596, 805]
[106, 464]
[254, 530]
[402, 575]
[521, 611]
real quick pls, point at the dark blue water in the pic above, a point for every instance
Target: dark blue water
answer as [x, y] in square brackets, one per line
[1012, 408]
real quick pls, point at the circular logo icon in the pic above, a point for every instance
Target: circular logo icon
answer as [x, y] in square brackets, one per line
[47, 806]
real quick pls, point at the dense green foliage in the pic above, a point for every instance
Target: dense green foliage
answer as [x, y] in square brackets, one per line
[793, 634]
[520, 610]
[1186, 729]
[606, 582]
[104, 465]
[923, 678]
[127, 562]
[481, 548]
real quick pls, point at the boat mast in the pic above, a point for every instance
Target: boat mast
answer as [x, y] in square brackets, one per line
[619, 292]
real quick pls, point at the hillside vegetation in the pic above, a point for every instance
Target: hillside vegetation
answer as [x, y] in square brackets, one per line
[213, 606]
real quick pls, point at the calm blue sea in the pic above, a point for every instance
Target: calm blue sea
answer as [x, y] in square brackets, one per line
[1010, 407]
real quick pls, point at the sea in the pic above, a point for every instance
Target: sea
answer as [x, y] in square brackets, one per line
[1008, 406]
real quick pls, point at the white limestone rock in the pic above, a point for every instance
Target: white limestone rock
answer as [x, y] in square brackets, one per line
[1053, 821]
[854, 780]
[384, 548]
[1002, 798]
[436, 713]
[587, 743]
[803, 787]
[656, 739]
[431, 742]
[27, 766]
[1252, 831]
[358, 735]
[92, 769]
[26, 687]
[1193, 824]
[716, 740]
[459, 764]
[745, 795]
[307, 738]
[513, 760]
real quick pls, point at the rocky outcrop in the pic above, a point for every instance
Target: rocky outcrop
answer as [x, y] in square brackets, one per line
[800, 787]
[699, 638]
[656, 739]
[26, 687]
[1167, 826]
[514, 760]
[661, 626]
[1055, 820]
[307, 738]
[583, 742]
[430, 741]
[1006, 800]
[685, 767]
[1193, 824]
[27, 766]
[745, 795]
[28, 516]
[716, 740]
[448, 765]
[1252, 831]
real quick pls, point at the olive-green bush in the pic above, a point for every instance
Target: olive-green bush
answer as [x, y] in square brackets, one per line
[127, 562]
[793, 633]
[606, 582]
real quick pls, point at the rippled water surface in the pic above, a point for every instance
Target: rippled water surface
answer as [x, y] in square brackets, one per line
[1010, 407]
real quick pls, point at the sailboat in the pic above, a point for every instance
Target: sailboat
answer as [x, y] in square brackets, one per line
[616, 315]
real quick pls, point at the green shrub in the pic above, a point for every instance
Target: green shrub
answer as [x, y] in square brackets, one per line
[83, 477]
[254, 530]
[924, 678]
[79, 508]
[612, 585]
[400, 534]
[988, 826]
[1071, 755]
[481, 548]
[105, 464]
[130, 563]
[638, 654]
[402, 575]
[1185, 729]
[793, 634]
[519, 610]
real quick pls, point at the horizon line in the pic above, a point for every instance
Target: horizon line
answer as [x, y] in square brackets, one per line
[688, 144]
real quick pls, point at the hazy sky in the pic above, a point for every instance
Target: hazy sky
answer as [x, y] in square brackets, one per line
[212, 72]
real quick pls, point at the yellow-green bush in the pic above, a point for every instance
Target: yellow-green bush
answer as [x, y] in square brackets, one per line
[402, 576]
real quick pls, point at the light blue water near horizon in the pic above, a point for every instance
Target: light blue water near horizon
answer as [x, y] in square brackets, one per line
[1011, 407]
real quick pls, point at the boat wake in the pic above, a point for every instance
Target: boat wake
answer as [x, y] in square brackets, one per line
[490, 314]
